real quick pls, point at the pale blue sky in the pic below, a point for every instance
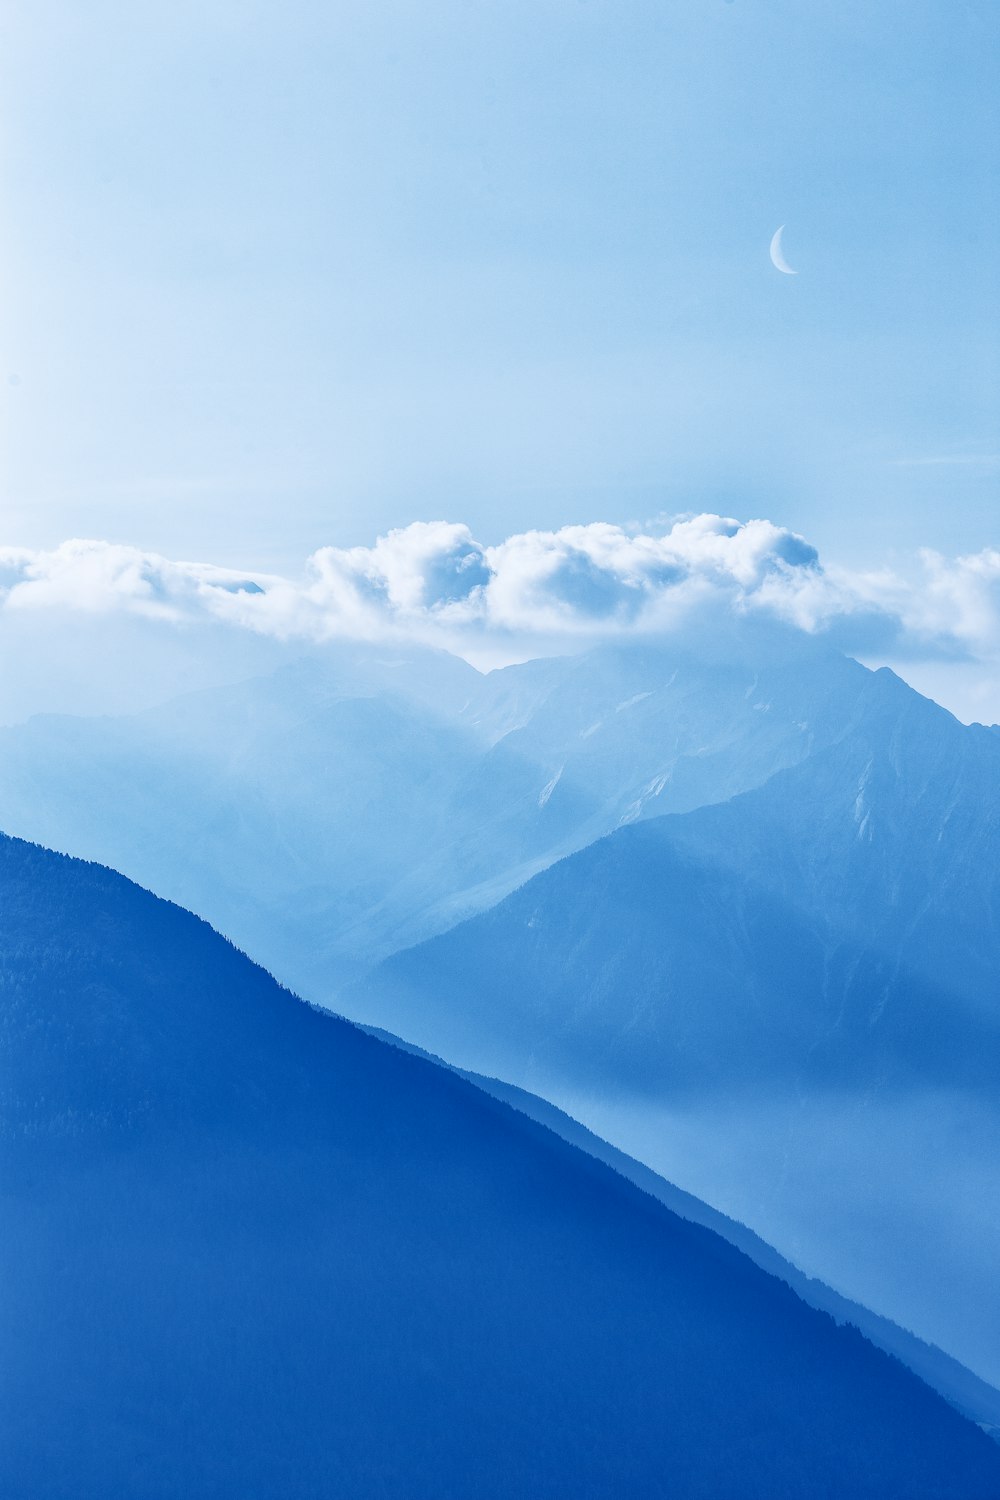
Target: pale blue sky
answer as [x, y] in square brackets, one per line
[280, 275]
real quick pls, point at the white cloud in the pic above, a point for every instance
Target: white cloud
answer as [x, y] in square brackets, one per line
[960, 598]
[104, 577]
[433, 581]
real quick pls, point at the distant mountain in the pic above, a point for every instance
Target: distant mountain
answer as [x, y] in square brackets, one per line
[249, 1250]
[652, 727]
[787, 1002]
[366, 798]
[285, 808]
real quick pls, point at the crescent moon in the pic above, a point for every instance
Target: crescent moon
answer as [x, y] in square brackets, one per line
[777, 259]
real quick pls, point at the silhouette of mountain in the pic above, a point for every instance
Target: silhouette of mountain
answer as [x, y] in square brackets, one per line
[249, 1249]
[787, 1002]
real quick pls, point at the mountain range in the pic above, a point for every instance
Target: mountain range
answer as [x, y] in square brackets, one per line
[361, 799]
[729, 899]
[787, 1002]
[250, 1249]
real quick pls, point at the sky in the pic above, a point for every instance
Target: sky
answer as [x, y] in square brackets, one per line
[285, 277]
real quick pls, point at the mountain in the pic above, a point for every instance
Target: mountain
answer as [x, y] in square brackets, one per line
[648, 727]
[364, 798]
[295, 810]
[285, 808]
[249, 1249]
[786, 1002]
[975, 1398]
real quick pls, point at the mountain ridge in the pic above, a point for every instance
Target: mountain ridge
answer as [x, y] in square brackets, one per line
[282, 1258]
[966, 1391]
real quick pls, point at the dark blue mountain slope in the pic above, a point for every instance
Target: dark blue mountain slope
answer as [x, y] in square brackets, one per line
[975, 1398]
[249, 1250]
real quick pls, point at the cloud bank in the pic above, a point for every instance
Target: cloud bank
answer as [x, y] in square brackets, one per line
[435, 583]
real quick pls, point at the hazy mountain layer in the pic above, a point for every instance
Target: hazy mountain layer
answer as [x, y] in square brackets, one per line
[788, 1003]
[337, 811]
[250, 1250]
